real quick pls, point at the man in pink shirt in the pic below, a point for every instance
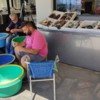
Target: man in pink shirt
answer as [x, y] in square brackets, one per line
[34, 47]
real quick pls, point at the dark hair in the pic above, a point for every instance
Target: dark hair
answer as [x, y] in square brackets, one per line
[29, 23]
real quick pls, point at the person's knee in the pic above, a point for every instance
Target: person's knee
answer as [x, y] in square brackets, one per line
[24, 59]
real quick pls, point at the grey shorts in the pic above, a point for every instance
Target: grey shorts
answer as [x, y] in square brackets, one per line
[33, 57]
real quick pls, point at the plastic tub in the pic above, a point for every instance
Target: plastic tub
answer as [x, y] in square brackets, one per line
[3, 39]
[10, 79]
[18, 39]
[6, 59]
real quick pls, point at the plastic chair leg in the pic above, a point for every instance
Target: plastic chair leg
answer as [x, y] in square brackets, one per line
[30, 87]
[54, 86]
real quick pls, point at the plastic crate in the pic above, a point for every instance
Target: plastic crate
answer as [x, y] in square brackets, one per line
[41, 69]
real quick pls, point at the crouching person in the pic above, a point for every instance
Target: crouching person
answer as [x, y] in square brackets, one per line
[34, 47]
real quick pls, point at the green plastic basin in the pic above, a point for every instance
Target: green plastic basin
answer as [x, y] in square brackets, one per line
[18, 39]
[10, 79]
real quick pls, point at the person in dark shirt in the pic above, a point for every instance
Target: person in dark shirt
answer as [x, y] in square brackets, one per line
[14, 30]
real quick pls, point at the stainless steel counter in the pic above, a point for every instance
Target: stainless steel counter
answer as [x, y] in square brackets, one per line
[76, 48]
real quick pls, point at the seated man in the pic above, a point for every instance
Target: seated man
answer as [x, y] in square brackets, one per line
[14, 30]
[33, 48]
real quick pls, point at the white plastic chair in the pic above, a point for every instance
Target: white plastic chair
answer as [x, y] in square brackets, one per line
[41, 71]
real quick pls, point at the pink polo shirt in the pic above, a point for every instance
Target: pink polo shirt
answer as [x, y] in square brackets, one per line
[37, 41]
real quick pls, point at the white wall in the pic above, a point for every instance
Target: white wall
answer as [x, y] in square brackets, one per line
[31, 1]
[43, 9]
[17, 4]
[3, 4]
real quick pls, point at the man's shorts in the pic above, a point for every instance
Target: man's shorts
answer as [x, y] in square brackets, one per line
[33, 57]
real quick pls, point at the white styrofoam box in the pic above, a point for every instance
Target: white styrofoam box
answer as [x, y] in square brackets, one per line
[44, 23]
[59, 23]
[53, 28]
[72, 24]
[97, 26]
[56, 15]
[68, 16]
[39, 25]
[88, 23]
[56, 24]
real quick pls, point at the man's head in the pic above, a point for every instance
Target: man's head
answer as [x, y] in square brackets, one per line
[13, 17]
[28, 27]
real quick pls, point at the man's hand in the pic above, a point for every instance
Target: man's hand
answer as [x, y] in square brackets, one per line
[14, 44]
[13, 30]
[7, 29]
[20, 48]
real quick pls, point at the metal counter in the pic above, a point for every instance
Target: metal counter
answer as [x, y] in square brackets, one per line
[80, 48]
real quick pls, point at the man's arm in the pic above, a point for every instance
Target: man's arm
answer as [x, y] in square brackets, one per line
[15, 44]
[9, 27]
[16, 30]
[31, 51]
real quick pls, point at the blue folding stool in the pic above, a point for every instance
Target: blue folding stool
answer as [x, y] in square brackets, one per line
[41, 71]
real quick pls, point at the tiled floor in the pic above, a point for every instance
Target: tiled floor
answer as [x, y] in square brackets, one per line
[72, 83]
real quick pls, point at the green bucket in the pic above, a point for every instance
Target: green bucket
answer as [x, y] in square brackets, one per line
[18, 39]
[10, 79]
